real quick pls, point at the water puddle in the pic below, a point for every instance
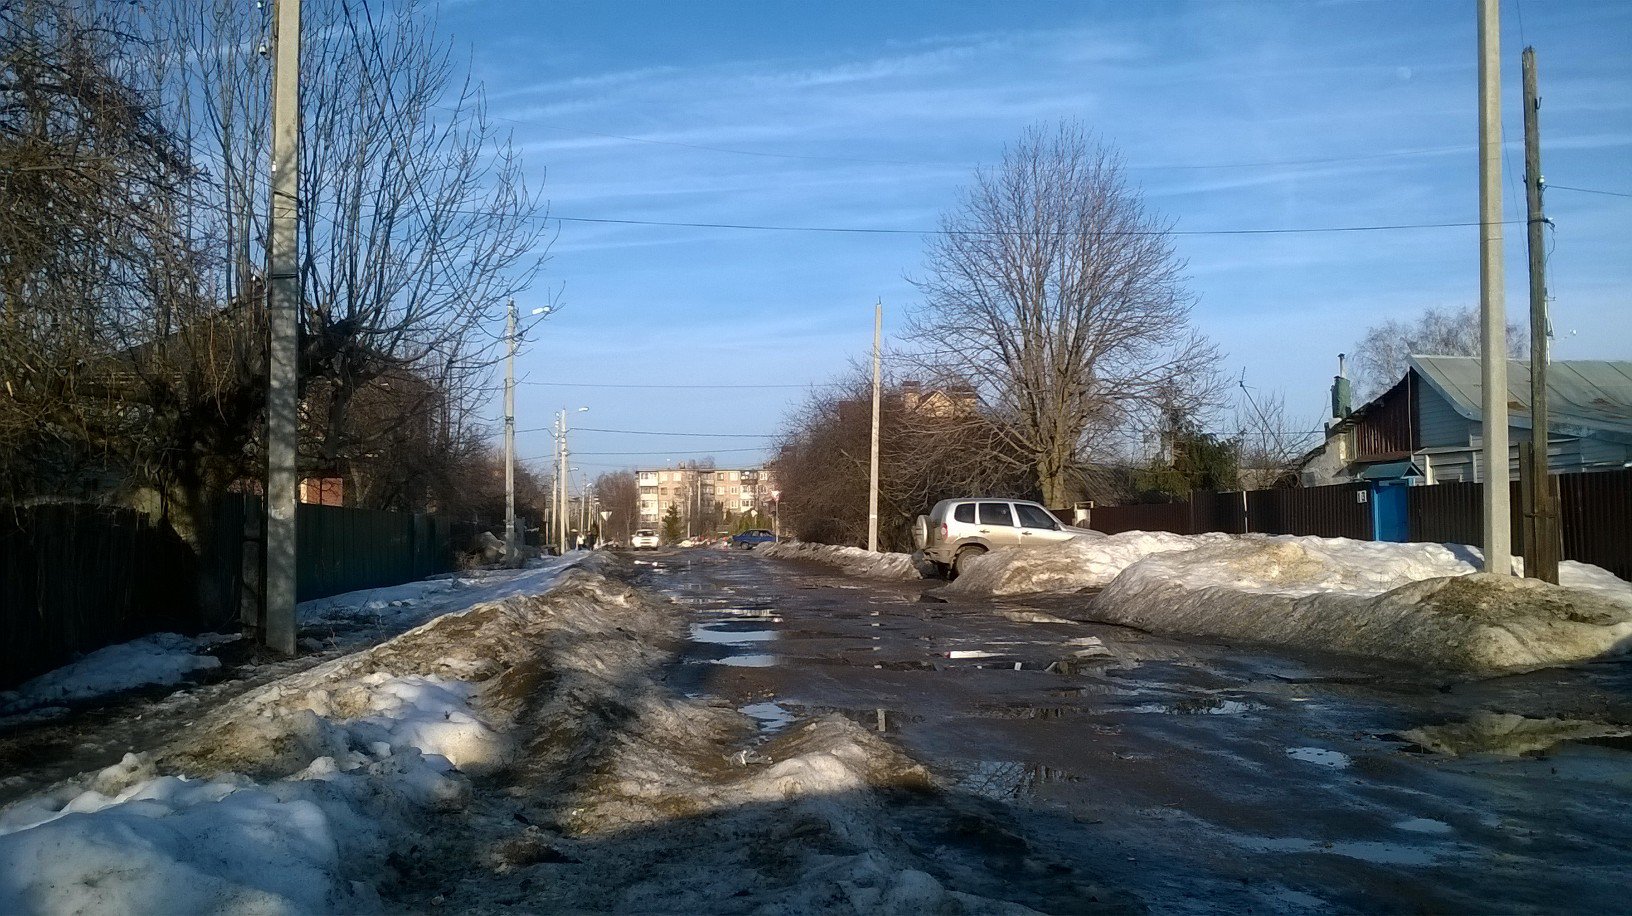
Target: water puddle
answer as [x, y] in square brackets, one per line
[745, 661]
[725, 634]
[1378, 853]
[1424, 825]
[1319, 756]
[1509, 735]
[1199, 706]
[1005, 779]
[771, 717]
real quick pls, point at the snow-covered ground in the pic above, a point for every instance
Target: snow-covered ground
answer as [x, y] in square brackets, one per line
[1423, 604]
[853, 560]
[289, 798]
[168, 659]
[348, 787]
[1069, 566]
[158, 659]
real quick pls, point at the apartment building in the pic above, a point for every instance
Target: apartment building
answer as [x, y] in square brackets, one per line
[703, 493]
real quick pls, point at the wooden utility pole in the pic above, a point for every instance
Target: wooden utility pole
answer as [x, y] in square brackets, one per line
[1541, 550]
[283, 317]
[872, 486]
[1494, 461]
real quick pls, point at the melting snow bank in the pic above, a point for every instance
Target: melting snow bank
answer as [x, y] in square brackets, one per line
[1069, 566]
[852, 560]
[159, 659]
[293, 798]
[1413, 603]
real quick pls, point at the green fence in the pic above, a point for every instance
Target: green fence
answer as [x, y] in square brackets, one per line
[341, 549]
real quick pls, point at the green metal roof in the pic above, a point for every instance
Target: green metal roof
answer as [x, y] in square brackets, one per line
[1582, 393]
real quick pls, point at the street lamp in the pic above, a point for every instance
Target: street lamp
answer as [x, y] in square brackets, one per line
[776, 514]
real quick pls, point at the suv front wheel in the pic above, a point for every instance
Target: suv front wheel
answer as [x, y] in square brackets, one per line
[960, 563]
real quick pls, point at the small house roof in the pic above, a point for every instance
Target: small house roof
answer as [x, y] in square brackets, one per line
[1589, 394]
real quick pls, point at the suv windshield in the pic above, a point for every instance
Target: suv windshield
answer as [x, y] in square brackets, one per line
[1035, 517]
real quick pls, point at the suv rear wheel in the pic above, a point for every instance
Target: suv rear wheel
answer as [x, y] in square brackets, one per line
[964, 555]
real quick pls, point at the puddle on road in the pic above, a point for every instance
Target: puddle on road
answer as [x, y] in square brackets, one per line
[1319, 756]
[745, 661]
[1004, 779]
[771, 717]
[1379, 853]
[722, 634]
[1200, 706]
[1509, 735]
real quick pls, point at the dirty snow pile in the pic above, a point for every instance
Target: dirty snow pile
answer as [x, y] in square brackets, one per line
[294, 797]
[1069, 566]
[159, 659]
[1421, 604]
[853, 560]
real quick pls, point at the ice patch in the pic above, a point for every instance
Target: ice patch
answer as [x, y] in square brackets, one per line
[746, 661]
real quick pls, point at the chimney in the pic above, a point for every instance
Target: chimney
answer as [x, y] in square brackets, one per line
[1341, 396]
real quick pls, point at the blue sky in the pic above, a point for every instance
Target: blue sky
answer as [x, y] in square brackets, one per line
[1234, 114]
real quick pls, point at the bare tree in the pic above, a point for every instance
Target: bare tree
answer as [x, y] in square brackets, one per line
[1054, 292]
[1272, 442]
[1380, 359]
[619, 492]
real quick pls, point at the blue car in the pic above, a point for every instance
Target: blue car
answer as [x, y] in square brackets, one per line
[752, 538]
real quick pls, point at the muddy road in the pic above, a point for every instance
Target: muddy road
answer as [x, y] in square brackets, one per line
[1192, 775]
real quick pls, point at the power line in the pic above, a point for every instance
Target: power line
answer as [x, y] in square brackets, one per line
[648, 432]
[1565, 187]
[862, 230]
[713, 451]
[660, 387]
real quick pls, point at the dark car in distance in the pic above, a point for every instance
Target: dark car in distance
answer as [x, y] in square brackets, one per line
[752, 538]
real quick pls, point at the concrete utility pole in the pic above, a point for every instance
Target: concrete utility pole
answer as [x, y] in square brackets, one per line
[561, 482]
[510, 547]
[1492, 298]
[1542, 550]
[283, 334]
[872, 486]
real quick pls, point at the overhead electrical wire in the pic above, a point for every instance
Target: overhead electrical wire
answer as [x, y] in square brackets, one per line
[1565, 187]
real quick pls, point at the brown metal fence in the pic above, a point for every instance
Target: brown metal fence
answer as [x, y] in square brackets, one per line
[74, 578]
[1595, 515]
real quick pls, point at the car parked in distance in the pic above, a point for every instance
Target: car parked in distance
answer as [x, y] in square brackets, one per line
[958, 530]
[752, 538]
[644, 539]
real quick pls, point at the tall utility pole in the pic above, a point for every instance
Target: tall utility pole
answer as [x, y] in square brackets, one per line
[1541, 554]
[1492, 298]
[283, 316]
[872, 486]
[561, 482]
[510, 548]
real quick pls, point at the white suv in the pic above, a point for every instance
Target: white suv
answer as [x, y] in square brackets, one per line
[644, 539]
[957, 530]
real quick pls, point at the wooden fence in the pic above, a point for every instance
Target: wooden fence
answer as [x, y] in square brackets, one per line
[1595, 515]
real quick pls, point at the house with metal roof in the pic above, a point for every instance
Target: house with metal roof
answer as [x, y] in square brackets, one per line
[1426, 428]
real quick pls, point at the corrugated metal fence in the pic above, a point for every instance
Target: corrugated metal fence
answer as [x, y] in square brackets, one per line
[74, 578]
[1595, 515]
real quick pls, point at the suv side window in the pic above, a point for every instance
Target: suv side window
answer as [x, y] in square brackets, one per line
[996, 514]
[1033, 517]
[964, 512]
